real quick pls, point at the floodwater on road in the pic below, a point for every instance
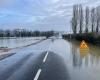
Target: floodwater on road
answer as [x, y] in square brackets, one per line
[81, 66]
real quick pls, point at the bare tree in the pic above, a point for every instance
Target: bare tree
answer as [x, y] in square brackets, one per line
[2, 33]
[97, 19]
[80, 18]
[87, 19]
[92, 19]
[75, 19]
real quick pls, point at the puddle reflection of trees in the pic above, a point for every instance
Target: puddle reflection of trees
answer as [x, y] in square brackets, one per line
[84, 59]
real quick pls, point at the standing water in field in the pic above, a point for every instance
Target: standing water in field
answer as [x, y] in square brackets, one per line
[81, 65]
[18, 42]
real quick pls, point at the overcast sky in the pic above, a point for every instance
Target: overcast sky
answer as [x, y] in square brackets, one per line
[39, 14]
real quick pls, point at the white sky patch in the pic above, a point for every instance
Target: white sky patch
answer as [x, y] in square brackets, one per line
[93, 4]
[58, 13]
[35, 19]
[54, 1]
[31, 19]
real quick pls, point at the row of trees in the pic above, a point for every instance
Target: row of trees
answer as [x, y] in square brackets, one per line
[24, 33]
[85, 20]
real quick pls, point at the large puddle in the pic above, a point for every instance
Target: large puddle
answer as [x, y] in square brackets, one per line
[18, 41]
[81, 66]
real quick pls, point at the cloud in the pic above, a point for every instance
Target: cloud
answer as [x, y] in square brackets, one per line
[6, 3]
[39, 14]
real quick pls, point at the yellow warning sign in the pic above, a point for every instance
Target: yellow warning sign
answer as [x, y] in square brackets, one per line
[84, 48]
[84, 45]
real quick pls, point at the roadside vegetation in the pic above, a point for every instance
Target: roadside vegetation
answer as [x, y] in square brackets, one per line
[85, 24]
[13, 34]
[24, 33]
[6, 37]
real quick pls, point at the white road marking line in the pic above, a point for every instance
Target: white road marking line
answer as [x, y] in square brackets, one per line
[45, 57]
[46, 54]
[39, 71]
[38, 74]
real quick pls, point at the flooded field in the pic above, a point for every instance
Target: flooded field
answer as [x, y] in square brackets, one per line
[18, 42]
[84, 65]
[80, 65]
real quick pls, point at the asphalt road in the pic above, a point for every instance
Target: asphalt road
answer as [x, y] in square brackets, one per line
[35, 62]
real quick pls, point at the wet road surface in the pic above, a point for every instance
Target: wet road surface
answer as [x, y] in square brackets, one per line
[36, 62]
[57, 60]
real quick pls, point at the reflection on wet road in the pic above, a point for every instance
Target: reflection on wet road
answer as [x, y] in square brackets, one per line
[57, 60]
